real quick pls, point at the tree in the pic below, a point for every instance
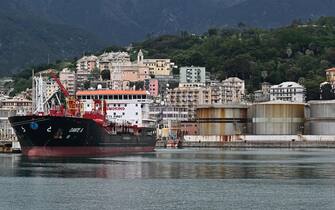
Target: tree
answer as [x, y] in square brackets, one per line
[105, 74]
[327, 92]
[213, 32]
[95, 74]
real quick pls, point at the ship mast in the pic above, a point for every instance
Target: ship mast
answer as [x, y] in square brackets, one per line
[39, 95]
[33, 91]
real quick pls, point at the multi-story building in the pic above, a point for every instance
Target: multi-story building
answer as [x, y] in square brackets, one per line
[288, 91]
[128, 71]
[112, 57]
[21, 106]
[6, 130]
[188, 97]
[164, 114]
[51, 87]
[263, 95]
[192, 74]
[191, 95]
[152, 86]
[87, 63]
[11, 107]
[330, 74]
[170, 120]
[156, 66]
[329, 92]
[233, 90]
[68, 79]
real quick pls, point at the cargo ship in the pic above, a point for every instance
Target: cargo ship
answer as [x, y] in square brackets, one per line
[72, 136]
[94, 123]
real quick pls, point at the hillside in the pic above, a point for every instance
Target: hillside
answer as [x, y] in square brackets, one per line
[124, 21]
[295, 53]
[300, 52]
[32, 30]
[26, 41]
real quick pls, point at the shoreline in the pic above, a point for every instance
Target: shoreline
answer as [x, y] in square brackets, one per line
[255, 144]
[252, 141]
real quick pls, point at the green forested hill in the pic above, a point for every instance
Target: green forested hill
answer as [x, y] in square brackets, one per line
[300, 53]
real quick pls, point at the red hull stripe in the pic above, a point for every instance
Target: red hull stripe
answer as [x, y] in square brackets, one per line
[82, 151]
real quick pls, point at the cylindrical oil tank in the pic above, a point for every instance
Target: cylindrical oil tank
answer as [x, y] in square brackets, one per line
[222, 120]
[321, 118]
[277, 118]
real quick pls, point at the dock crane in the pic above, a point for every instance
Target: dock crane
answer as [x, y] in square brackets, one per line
[71, 102]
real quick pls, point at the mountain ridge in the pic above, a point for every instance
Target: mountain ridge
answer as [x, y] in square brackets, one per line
[66, 28]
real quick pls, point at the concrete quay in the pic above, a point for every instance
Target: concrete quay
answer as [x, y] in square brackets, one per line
[257, 141]
[262, 144]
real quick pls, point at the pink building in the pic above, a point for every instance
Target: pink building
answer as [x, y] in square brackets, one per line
[68, 79]
[153, 87]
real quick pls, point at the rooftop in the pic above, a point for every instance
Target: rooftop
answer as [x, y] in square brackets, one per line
[287, 85]
[331, 69]
[111, 92]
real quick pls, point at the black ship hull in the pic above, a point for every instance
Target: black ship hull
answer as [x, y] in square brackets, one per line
[70, 136]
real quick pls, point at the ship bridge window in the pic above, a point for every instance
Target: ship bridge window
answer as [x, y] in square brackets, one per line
[114, 97]
[125, 97]
[84, 97]
[144, 96]
[105, 97]
[110, 97]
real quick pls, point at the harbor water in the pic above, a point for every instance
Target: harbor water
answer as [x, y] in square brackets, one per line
[173, 179]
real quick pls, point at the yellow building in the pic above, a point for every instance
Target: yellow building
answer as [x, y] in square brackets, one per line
[156, 66]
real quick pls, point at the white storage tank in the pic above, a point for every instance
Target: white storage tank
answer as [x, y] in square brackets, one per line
[277, 118]
[320, 119]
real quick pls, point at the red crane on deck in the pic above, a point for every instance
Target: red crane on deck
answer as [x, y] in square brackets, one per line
[71, 103]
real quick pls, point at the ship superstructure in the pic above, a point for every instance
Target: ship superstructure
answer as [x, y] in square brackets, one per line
[129, 107]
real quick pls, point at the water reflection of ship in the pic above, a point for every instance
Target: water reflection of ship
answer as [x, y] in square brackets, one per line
[192, 164]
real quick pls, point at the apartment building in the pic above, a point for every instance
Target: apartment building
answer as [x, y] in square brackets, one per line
[157, 67]
[68, 79]
[288, 91]
[192, 74]
[191, 95]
